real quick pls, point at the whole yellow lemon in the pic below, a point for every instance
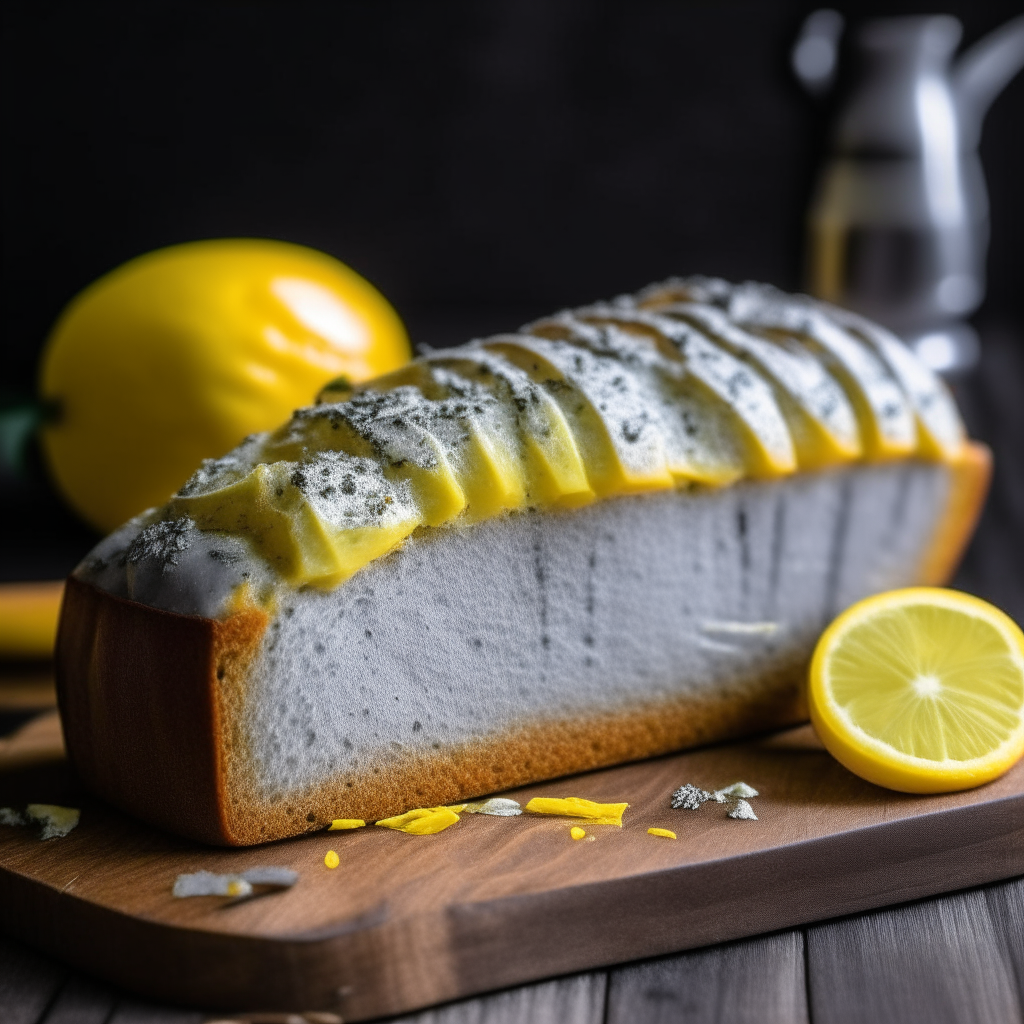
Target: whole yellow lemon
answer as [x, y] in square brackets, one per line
[177, 355]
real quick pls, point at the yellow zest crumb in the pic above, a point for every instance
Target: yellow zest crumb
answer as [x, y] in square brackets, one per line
[238, 887]
[665, 833]
[576, 832]
[575, 807]
[424, 821]
[341, 823]
[332, 860]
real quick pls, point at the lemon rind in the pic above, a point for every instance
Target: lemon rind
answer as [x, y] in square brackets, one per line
[877, 761]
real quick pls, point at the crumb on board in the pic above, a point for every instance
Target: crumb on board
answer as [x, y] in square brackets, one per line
[331, 859]
[690, 797]
[665, 833]
[345, 823]
[499, 806]
[209, 883]
[576, 807]
[56, 821]
[737, 791]
[742, 811]
[576, 832]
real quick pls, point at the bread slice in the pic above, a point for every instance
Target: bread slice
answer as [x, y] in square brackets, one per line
[614, 534]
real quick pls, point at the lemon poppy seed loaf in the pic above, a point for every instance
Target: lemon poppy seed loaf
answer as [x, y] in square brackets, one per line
[614, 533]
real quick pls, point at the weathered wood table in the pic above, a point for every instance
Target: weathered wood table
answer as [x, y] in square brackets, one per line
[955, 958]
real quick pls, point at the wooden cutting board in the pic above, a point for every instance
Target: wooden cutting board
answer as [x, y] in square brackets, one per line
[409, 921]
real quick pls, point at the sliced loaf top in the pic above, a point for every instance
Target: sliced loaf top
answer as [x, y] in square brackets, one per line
[691, 383]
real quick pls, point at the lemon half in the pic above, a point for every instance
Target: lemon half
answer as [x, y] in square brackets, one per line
[921, 690]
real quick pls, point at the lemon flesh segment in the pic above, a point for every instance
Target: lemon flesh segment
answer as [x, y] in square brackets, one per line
[921, 690]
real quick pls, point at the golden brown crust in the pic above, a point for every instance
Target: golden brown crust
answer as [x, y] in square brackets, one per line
[970, 477]
[542, 750]
[138, 695]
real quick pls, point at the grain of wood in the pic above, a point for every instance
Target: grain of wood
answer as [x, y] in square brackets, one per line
[81, 1001]
[576, 1000]
[938, 962]
[758, 980]
[28, 983]
[1006, 905]
[509, 901]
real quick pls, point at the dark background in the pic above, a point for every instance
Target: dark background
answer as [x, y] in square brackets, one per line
[481, 162]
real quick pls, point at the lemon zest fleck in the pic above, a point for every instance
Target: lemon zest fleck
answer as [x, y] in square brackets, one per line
[576, 807]
[665, 833]
[331, 860]
[343, 823]
[576, 832]
[423, 821]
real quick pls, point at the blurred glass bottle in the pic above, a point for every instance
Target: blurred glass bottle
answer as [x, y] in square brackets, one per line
[899, 220]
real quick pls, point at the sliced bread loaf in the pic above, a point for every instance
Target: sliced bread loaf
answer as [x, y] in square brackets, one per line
[613, 534]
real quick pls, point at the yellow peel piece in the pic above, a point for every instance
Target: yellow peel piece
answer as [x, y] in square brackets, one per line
[576, 807]
[343, 823]
[665, 833]
[331, 860]
[576, 832]
[424, 821]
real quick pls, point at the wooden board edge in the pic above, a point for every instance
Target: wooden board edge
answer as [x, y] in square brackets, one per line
[380, 965]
